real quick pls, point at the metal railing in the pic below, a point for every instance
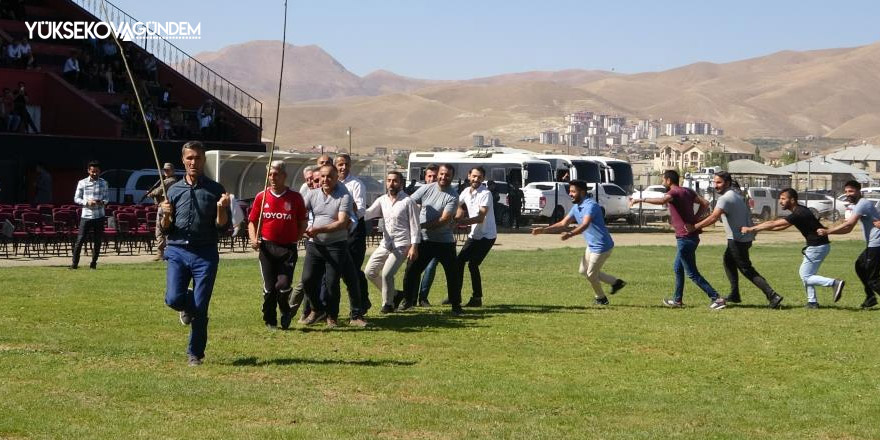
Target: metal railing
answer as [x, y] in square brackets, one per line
[190, 68]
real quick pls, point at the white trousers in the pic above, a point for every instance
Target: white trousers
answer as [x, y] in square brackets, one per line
[381, 268]
[591, 267]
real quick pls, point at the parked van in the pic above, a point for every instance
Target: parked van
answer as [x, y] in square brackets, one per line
[131, 186]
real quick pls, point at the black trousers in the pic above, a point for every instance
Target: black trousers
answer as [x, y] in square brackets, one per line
[96, 227]
[357, 247]
[277, 263]
[868, 270]
[736, 257]
[472, 254]
[333, 261]
[445, 255]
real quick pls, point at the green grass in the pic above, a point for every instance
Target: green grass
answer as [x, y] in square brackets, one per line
[98, 355]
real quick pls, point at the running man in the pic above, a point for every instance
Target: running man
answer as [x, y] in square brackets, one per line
[590, 222]
[816, 250]
[681, 201]
[476, 209]
[868, 263]
[400, 237]
[284, 221]
[732, 207]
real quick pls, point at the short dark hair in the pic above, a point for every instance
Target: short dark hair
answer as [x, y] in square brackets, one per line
[449, 167]
[790, 192]
[478, 168]
[672, 175]
[193, 145]
[432, 167]
[398, 174]
[853, 184]
[94, 163]
[725, 176]
[342, 156]
[579, 184]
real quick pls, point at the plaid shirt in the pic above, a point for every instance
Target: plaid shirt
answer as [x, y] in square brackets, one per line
[88, 189]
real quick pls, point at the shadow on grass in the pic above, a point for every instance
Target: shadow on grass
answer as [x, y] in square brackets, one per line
[253, 361]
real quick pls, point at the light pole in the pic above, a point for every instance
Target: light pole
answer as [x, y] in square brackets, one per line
[348, 132]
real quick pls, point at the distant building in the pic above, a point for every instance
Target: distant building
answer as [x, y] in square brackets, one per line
[822, 172]
[864, 157]
[549, 137]
[381, 151]
[479, 140]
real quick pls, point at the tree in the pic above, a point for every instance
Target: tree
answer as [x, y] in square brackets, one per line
[758, 157]
[716, 159]
[788, 157]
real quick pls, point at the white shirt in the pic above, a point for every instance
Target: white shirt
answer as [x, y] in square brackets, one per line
[24, 48]
[358, 195]
[71, 65]
[473, 201]
[13, 51]
[401, 218]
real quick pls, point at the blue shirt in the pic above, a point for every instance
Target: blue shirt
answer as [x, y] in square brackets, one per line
[195, 212]
[596, 235]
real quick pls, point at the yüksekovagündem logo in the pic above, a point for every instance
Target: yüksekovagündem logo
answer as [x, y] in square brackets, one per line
[99, 30]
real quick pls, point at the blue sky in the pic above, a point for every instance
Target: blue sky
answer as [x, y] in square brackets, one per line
[458, 39]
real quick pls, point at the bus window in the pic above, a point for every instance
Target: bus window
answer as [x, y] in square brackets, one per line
[623, 175]
[536, 172]
[497, 174]
[588, 171]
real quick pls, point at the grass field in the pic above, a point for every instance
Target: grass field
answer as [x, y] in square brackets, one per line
[97, 355]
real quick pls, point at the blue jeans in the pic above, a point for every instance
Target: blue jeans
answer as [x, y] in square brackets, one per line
[813, 257]
[427, 279]
[686, 262]
[199, 265]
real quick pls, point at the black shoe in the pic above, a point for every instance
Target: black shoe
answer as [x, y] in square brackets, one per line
[286, 318]
[838, 289]
[733, 298]
[775, 301]
[194, 361]
[405, 305]
[457, 311]
[73, 267]
[445, 302]
[603, 301]
[475, 301]
[93, 266]
[387, 308]
[424, 303]
[812, 305]
[185, 318]
[398, 298]
[619, 284]
[870, 301]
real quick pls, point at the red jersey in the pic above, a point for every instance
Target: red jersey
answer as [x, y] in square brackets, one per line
[281, 216]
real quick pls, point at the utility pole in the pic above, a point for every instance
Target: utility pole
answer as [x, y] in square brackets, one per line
[349, 140]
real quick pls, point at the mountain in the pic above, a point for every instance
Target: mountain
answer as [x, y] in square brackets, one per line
[830, 92]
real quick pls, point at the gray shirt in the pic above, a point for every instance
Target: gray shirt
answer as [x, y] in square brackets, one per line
[867, 212]
[434, 202]
[736, 215]
[325, 209]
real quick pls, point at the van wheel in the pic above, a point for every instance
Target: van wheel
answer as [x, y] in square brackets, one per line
[765, 213]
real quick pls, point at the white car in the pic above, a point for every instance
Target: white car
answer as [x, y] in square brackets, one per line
[614, 201]
[650, 210]
[821, 205]
[539, 200]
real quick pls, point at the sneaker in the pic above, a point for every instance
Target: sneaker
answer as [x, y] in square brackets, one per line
[73, 267]
[474, 302]
[733, 298]
[185, 318]
[358, 322]
[387, 308]
[619, 284]
[775, 301]
[285, 320]
[424, 303]
[812, 305]
[398, 298]
[314, 317]
[870, 301]
[93, 266]
[331, 323]
[669, 302]
[603, 301]
[838, 289]
[718, 304]
[302, 320]
[405, 305]
[194, 361]
[457, 311]
[271, 327]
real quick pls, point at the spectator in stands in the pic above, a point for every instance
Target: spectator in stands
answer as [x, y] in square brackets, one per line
[43, 185]
[109, 50]
[71, 69]
[150, 66]
[27, 54]
[8, 104]
[165, 96]
[20, 108]
[91, 193]
[108, 79]
[206, 115]
[13, 54]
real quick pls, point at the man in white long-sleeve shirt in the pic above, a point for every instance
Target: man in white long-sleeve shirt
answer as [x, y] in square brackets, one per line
[91, 193]
[71, 69]
[400, 237]
[357, 241]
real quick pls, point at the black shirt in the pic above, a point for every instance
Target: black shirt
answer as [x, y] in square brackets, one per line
[803, 219]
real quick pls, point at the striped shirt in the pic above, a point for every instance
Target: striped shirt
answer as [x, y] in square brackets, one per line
[88, 190]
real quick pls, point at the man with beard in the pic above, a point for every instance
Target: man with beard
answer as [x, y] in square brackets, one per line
[681, 201]
[357, 241]
[868, 263]
[284, 221]
[477, 210]
[814, 252]
[736, 214]
[591, 223]
[400, 237]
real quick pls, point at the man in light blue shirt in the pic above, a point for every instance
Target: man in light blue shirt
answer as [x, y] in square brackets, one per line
[591, 223]
[868, 263]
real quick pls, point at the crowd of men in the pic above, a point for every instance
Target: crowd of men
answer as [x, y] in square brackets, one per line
[331, 212]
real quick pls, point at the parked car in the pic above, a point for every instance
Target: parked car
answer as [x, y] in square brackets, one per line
[540, 201]
[130, 186]
[614, 201]
[821, 205]
[650, 211]
[764, 203]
